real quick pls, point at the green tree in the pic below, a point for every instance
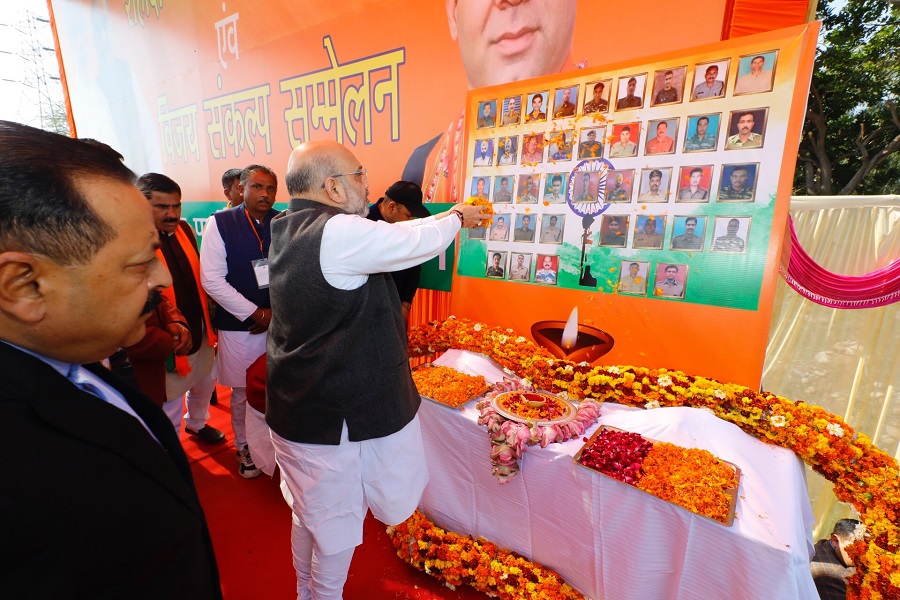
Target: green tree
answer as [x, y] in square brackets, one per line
[852, 131]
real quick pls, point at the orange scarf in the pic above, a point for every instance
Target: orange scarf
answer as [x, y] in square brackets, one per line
[182, 367]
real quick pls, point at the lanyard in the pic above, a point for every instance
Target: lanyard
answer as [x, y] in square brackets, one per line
[256, 233]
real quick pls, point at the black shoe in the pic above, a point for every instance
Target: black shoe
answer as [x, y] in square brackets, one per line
[207, 434]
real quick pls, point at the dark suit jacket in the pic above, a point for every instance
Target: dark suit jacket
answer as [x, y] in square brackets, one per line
[91, 506]
[829, 573]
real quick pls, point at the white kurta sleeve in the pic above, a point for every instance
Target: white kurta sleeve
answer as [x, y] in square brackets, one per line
[214, 268]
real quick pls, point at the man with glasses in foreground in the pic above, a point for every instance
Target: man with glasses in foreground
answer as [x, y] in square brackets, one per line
[341, 401]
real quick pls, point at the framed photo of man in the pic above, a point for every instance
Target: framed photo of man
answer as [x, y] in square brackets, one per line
[500, 227]
[512, 111]
[565, 102]
[555, 185]
[529, 186]
[480, 188]
[560, 146]
[484, 153]
[688, 233]
[496, 264]
[661, 136]
[596, 96]
[476, 233]
[630, 93]
[671, 280]
[702, 133]
[633, 277]
[524, 231]
[504, 188]
[738, 183]
[590, 142]
[709, 80]
[547, 269]
[693, 183]
[619, 184]
[668, 86]
[487, 114]
[730, 234]
[626, 136]
[536, 110]
[755, 73]
[520, 266]
[655, 185]
[747, 129]
[552, 227]
[507, 149]
[614, 230]
[649, 231]
[532, 148]
[585, 187]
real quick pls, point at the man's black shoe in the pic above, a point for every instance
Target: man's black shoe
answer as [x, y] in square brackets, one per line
[209, 435]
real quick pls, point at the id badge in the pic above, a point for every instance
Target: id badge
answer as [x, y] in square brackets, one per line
[261, 270]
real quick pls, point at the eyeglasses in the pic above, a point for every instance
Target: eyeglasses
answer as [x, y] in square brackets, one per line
[363, 172]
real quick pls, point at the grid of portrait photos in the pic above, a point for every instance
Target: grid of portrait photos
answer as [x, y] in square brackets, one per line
[688, 145]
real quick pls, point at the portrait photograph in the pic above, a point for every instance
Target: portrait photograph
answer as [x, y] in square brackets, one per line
[702, 133]
[596, 96]
[709, 80]
[532, 148]
[536, 107]
[649, 231]
[484, 153]
[633, 277]
[730, 234]
[507, 149]
[746, 129]
[565, 102]
[528, 187]
[480, 188]
[590, 142]
[661, 136]
[560, 145]
[694, 183]
[546, 269]
[552, 226]
[512, 111]
[630, 92]
[524, 231]
[496, 264]
[668, 86]
[555, 185]
[487, 114]
[755, 73]
[520, 266]
[585, 188]
[619, 184]
[688, 233]
[614, 230]
[738, 183]
[670, 280]
[476, 233]
[504, 189]
[655, 185]
[625, 138]
[500, 227]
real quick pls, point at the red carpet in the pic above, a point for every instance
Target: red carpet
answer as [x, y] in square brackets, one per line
[251, 528]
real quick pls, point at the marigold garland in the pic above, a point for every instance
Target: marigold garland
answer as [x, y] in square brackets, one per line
[863, 475]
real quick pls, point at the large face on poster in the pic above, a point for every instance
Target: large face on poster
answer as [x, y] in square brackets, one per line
[652, 184]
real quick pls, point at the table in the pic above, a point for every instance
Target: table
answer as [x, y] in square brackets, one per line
[611, 540]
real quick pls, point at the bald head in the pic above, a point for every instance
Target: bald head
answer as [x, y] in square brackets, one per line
[327, 172]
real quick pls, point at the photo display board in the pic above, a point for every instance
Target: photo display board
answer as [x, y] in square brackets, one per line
[665, 182]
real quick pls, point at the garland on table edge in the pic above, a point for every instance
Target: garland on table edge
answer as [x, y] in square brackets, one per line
[863, 475]
[457, 559]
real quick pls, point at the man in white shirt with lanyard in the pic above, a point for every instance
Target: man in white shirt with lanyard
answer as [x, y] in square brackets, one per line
[341, 401]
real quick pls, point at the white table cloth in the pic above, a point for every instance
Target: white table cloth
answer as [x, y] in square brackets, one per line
[609, 539]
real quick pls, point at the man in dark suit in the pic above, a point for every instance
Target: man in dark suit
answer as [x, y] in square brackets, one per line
[831, 565]
[101, 503]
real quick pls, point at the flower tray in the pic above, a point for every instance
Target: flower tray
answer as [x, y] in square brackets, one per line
[665, 471]
[447, 386]
[540, 408]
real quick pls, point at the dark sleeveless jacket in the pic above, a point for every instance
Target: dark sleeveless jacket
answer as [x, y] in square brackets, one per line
[333, 355]
[241, 248]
